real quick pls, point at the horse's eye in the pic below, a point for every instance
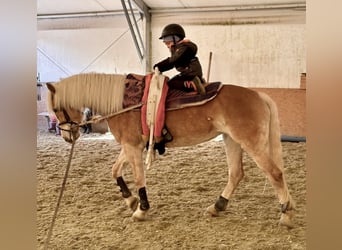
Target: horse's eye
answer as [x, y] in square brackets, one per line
[55, 110]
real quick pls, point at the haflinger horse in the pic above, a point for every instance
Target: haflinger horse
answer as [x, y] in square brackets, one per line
[246, 119]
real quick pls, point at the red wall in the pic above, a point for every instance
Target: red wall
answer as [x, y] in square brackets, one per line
[291, 109]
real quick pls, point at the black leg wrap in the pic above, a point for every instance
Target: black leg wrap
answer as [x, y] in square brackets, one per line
[123, 187]
[221, 204]
[285, 207]
[144, 205]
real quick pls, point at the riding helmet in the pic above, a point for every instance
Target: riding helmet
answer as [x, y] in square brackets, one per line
[172, 30]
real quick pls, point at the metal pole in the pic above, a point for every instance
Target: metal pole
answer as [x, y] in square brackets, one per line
[141, 56]
[136, 25]
[209, 65]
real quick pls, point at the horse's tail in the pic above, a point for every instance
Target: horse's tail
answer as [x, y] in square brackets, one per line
[275, 147]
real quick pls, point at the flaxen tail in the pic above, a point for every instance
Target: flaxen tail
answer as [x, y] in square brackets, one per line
[274, 131]
[275, 147]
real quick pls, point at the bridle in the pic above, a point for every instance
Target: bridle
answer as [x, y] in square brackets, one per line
[73, 125]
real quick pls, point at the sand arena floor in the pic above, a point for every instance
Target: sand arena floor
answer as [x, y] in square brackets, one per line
[181, 185]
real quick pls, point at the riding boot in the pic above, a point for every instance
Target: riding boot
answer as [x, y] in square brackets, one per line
[159, 145]
[199, 86]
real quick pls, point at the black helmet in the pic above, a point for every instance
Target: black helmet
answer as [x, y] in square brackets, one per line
[173, 29]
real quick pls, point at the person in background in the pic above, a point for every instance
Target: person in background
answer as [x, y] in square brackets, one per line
[53, 125]
[87, 115]
[183, 58]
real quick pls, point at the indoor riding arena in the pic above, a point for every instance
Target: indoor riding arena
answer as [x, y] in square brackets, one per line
[255, 44]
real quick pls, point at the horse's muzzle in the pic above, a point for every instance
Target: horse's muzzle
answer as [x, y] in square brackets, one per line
[70, 133]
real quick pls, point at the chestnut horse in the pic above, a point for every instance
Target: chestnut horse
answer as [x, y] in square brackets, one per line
[247, 120]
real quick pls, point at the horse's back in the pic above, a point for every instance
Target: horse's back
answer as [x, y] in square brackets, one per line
[240, 101]
[237, 111]
[235, 92]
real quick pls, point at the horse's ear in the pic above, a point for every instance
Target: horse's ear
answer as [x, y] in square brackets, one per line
[51, 87]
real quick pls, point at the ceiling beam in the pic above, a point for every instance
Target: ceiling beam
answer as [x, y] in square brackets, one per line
[143, 8]
[83, 14]
[292, 6]
[146, 17]
[146, 13]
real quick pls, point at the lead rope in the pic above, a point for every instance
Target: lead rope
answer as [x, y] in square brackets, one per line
[59, 198]
[94, 120]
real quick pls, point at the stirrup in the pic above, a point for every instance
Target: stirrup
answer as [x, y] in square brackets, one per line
[166, 135]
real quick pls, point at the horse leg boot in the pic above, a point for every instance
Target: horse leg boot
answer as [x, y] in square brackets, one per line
[287, 205]
[287, 213]
[130, 200]
[140, 212]
[235, 175]
[220, 205]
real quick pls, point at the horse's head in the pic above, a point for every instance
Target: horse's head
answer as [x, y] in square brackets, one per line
[68, 118]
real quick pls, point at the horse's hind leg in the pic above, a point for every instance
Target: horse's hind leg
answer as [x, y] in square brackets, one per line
[275, 174]
[235, 175]
[131, 201]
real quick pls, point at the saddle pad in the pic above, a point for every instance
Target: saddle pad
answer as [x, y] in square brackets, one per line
[177, 99]
[134, 90]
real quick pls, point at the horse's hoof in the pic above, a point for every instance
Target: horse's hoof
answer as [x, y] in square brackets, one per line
[211, 210]
[139, 215]
[286, 219]
[132, 202]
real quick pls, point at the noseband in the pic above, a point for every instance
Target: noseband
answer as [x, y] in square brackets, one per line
[67, 121]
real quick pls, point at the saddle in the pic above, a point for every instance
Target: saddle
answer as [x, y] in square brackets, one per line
[175, 99]
[137, 88]
[178, 99]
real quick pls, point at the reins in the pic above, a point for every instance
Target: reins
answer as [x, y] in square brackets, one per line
[96, 119]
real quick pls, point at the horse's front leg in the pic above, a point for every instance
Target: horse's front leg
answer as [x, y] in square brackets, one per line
[131, 201]
[134, 156]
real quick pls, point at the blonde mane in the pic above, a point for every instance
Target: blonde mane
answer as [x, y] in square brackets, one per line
[103, 93]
